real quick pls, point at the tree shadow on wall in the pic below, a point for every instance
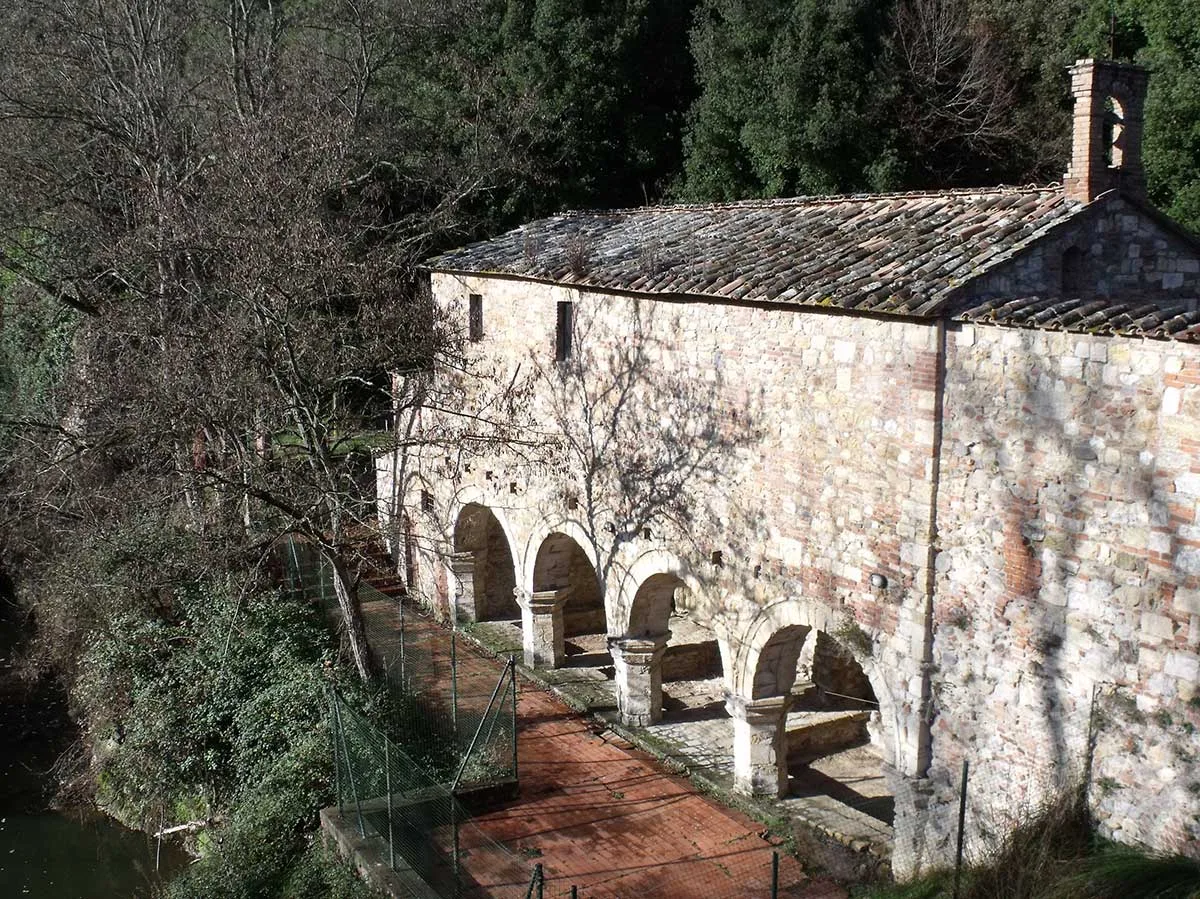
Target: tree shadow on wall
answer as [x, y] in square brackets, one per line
[1040, 451]
[647, 433]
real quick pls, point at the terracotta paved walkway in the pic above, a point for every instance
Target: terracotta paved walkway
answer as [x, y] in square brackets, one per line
[606, 817]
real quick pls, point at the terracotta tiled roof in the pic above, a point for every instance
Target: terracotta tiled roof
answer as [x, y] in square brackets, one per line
[893, 253]
[1174, 320]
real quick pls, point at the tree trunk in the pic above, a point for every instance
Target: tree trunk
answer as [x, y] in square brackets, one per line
[347, 597]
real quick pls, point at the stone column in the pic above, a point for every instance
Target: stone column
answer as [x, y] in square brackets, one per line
[542, 627]
[638, 665]
[759, 744]
[462, 566]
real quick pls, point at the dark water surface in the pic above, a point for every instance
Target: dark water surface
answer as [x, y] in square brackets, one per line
[48, 854]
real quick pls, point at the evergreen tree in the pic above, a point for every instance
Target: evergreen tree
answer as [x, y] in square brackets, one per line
[792, 99]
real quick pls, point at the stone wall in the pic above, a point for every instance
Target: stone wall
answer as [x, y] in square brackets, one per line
[773, 459]
[1067, 582]
[1123, 252]
[691, 661]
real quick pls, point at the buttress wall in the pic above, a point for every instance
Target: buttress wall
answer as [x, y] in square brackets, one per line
[1067, 612]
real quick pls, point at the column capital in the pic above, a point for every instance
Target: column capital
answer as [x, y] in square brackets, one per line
[462, 563]
[639, 650]
[543, 602]
[766, 710]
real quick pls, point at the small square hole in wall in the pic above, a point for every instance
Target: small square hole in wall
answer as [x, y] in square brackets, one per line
[645, 533]
[426, 501]
[572, 502]
[512, 486]
[717, 558]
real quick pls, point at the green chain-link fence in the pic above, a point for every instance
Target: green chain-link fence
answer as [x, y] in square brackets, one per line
[422, 822]
[445, 741]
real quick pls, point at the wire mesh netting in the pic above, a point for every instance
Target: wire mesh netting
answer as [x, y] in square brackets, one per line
[445, 735]
[446, 705]
[423, 825]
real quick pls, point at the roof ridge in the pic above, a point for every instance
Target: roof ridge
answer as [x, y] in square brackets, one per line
[807, 200]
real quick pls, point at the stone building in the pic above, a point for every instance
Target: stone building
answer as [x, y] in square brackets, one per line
[935, 456]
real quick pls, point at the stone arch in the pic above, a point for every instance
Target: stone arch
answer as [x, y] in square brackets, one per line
[790, 619]
[817, 618]
[650, 609]
[472, 495]
[562, 565]
[484, 566]
[660, 565]
[774, 671]
[544, 530]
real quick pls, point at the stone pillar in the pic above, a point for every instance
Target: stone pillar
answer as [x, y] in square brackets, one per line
[542, 627]
[462, 566]
[759, 744]
[638, 665]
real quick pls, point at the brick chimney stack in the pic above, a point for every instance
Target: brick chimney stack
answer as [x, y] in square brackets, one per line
[1106, 139]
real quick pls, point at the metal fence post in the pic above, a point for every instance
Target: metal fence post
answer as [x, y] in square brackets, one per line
[454, 827]
[454, 683]
[362, 830]
[400, 602]
[512, 672]
[387, 785]
[962, 817]
[540, 873]
[774, 874]
[337, 758]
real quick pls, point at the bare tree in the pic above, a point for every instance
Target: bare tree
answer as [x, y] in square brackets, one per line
[232, 197]
[956, 87]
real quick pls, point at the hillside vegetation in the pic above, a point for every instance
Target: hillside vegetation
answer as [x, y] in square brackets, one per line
[211, 220]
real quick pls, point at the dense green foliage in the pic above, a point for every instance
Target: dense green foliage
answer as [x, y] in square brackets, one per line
[35, 353]
[810, 97]
[210, 218]
[213, 709]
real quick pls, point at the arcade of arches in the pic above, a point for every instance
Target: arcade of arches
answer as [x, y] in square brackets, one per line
[796, 697]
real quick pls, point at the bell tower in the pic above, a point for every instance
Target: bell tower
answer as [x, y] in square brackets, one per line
[1106, 137]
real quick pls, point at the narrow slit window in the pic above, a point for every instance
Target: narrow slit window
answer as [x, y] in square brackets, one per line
[1072, 270]
[475, 317]
[564, 336]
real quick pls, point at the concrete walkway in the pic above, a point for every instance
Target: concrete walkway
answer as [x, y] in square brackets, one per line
[604, 816]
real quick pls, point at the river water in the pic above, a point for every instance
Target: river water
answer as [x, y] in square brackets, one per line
[58, 854]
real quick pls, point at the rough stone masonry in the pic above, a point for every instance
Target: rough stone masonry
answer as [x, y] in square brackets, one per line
[955, 434]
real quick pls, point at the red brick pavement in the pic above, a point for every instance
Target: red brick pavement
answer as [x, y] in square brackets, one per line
[604, 816]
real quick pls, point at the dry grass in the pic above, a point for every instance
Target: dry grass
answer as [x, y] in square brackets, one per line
[1055, 854]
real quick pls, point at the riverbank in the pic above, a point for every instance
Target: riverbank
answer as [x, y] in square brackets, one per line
[48, 851]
